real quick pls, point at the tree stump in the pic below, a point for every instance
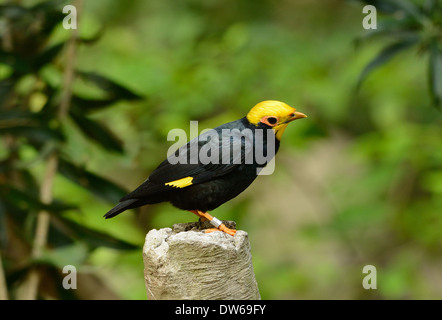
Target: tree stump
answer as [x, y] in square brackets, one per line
[185, 263]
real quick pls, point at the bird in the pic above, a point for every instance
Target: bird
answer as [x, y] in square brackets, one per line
[238, 150]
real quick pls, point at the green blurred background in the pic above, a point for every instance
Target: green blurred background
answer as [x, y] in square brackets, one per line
[359, 182]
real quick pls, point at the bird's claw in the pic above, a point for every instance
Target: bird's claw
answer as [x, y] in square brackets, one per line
[231, 232]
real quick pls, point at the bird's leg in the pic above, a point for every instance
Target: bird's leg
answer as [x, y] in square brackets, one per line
[222, 227]
[219, 226]
[202, 218]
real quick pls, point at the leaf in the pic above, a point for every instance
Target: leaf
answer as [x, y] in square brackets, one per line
[33, 126]
[112, 89]
[30, 202]
[57, 236]
[73, 254]
[93, 39]
[47, 56]
[34, 133]
[20, 65]
[100, 187]
[90, 105]
[410, 9]
[96, 131]
[435, 74]
[390, 27]
[94, 238]
[385, 55]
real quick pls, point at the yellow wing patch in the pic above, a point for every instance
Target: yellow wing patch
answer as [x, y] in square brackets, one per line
[180, 183]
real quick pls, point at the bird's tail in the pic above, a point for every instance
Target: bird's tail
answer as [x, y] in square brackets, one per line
[122, 206]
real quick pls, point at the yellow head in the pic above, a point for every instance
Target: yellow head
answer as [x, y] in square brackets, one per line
[275, 114]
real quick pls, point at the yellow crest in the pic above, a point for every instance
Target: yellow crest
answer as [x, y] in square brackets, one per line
[272, 108]
[278, 112]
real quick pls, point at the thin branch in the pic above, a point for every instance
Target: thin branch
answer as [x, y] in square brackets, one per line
[43, 218]
[3, 287]
[6, 44]
[42, 227]
[69, 72]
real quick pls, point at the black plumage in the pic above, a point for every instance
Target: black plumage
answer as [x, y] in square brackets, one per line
[217, 165]
[212, 183]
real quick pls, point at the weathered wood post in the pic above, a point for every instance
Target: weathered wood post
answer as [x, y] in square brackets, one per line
[185, 264]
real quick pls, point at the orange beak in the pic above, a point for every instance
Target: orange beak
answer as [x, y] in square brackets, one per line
[296, 115]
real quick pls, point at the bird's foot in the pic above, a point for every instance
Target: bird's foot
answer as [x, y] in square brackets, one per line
[222, 228]
[219, 226]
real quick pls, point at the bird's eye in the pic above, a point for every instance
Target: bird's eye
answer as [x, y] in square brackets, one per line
[272, 120]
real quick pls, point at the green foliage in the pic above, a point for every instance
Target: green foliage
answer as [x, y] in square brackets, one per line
[408, 24]
[31, 130]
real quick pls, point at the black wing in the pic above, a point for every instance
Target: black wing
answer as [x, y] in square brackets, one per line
[210, 155]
